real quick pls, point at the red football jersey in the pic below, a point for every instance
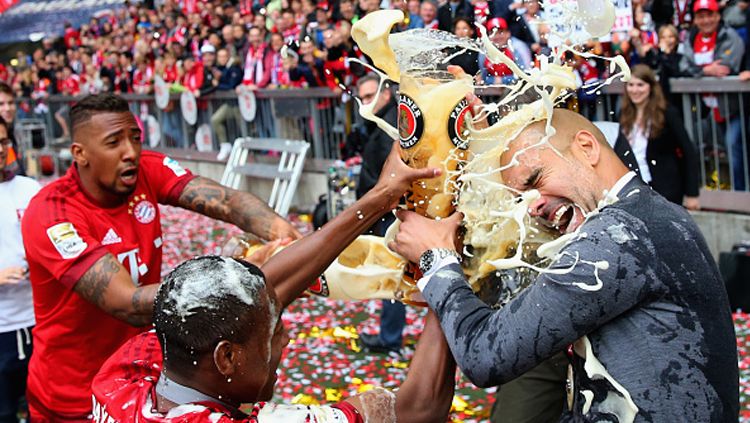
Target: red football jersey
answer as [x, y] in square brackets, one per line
[65, 232]
[124, 391]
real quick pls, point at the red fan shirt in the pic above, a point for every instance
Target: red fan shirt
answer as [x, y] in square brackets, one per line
[499, 69]
[65, 232]
[124, 392]
[69, 86]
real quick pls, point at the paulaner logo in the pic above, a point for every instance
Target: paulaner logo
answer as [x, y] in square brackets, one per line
[410, 121]
[458, 129]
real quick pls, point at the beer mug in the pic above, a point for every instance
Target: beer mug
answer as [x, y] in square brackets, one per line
[433, 117]
[432, 121]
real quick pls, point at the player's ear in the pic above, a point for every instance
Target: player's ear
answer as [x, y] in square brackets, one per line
[225, 357]
[79, 154]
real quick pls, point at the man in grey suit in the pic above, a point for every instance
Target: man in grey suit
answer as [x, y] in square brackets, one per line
[634, 295]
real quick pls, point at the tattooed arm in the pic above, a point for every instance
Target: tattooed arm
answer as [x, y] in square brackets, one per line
[108, 286]
[242, 209]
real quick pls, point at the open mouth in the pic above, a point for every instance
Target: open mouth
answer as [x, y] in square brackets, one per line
[129, 175]
[565, 219]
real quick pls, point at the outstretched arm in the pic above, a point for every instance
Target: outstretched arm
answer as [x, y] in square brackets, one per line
[246, 211]
[292, 270]
[426, 394]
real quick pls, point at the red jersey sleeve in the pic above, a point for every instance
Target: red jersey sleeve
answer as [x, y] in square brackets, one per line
[352, 415]
[60, 240]
[165, 175]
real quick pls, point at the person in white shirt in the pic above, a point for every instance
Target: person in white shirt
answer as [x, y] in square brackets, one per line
[16, 309]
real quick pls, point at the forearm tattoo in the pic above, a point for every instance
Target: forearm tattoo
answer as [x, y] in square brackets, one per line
[93, 287]
[242, 209]
[94, 283]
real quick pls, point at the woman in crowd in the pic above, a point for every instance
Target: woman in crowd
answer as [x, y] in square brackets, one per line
[463, 28]
[666, 59]
[667, 158]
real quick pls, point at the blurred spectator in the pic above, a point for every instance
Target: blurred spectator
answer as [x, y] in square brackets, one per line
[666, 60]
[515, 49]
[143, 76]
[451, 10]
[192, 76]
[482, 11]
[530, 28]
[463, 28]
[69, 84]
[279, 77]
[734, 14]
[411, 21]
[211, 73]
[229, 79]
[257, 69]
[306, 69]
[347, 11]
[667, 158]
[13, 155]
[643, 35]
[428, 12]
[289, 28]
[506, 9]
[17, 319]
[713, 49]
[319, 26]
[676, 12]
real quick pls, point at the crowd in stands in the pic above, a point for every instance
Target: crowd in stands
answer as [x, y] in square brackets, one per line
[204, 46]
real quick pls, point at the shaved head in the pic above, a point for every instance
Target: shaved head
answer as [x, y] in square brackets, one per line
[567, 124]
[572, 170]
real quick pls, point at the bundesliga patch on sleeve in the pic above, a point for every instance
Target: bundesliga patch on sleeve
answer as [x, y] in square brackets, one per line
[174, 165]
[66, 240]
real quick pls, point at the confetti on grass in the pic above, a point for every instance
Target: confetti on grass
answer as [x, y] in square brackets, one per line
[323, 362]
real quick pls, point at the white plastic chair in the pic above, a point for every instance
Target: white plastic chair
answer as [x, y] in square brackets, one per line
[285, 174]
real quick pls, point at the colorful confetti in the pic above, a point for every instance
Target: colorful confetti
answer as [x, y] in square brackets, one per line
[323, 362]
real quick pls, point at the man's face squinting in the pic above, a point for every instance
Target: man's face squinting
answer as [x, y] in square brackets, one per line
[7, 108]
[566, 188]
[110, 144]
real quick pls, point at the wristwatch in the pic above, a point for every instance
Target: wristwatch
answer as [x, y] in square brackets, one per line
[431, 257]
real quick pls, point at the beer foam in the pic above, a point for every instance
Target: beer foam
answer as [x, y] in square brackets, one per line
[499, 230]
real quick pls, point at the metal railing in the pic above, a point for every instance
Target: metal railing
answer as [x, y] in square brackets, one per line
[316, 115]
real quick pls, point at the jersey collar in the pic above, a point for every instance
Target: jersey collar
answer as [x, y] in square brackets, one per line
[181, 394]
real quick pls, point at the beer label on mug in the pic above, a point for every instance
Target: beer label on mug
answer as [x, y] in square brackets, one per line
[458, 129]
[410, 121]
